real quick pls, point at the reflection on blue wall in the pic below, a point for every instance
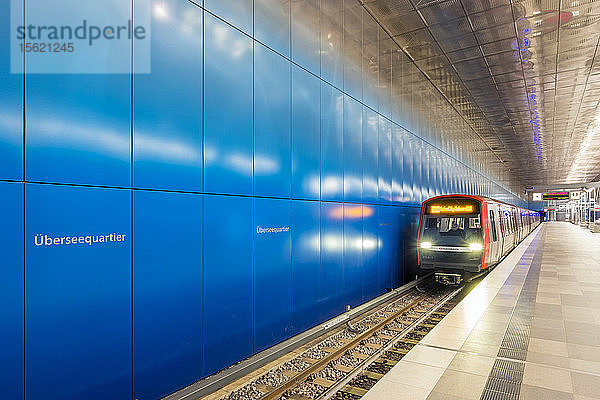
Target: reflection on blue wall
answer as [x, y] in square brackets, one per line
[167, 152]
[255, 173]
[11, 103]
[227, 109]
[306, 264]
[306, 135]
[332, 143]
[331, 289]
[272, 119]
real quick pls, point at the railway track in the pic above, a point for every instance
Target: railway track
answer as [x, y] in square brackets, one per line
[347, 364]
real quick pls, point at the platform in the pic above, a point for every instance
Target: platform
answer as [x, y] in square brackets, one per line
[529, 330]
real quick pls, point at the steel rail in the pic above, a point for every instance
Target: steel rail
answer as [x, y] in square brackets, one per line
[322, 363]
[331, 391]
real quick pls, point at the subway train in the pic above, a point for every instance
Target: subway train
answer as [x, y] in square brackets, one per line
[461, 236]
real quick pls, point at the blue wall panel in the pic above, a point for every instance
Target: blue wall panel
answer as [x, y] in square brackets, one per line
[425, 179]
[370, 151]
[332, 143]
[227, 280]
[370, 252]
[306, 264]
[397, 163]
[11, 291]
[407, 169]
[385, 249]
[332, 251]
[11, 101]
[353, 241]
[272, 119]
[353, 164]
[167, 288]
[227, 109]
[397, 262]
[167, 134]
[272, 24]
[78, 304]
[306, 135]
[385, 161]
[416, 145]
[78, 128]
[409, 242]
[272, 263]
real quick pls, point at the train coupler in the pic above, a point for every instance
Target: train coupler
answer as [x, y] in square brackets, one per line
[445, 278]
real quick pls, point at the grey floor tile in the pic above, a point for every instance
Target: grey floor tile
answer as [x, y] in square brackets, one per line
[549, 311]
[582, 327]
[548, 359]
[573, 300]
[547, 377]
[553, 347]
[586, 339]
[583, 352]
[501, 309]
[547, 323]
[585, 384]
[461, 384]
[472, 364]
[485, 337]
[567, 278]
[579, 314]
[481, 348]
[434, 395]
[585, 366]
[529, 392]
[548, 333]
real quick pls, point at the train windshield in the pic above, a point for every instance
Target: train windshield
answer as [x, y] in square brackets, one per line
[453, 226]
[451, 223]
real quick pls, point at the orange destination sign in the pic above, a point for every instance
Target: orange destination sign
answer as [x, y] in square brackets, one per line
[451, 209]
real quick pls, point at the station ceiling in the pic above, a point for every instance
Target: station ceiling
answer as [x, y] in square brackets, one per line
[526, 74]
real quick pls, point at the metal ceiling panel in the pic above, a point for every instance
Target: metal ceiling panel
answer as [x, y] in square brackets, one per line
[524, 74]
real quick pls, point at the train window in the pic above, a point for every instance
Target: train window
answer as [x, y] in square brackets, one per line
[493, 226]
[452, 224]
[474, 223]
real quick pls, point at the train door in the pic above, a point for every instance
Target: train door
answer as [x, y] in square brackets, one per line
[508, 231]
[517, 217]
[494, 237]
[501, 231]
[517, 231]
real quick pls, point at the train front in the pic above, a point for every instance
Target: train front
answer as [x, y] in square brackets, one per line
[450, 239]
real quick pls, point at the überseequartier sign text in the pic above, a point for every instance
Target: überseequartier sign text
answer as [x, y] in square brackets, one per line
[90, 240]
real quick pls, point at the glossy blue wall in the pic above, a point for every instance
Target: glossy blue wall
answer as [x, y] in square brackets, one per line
[267, 173]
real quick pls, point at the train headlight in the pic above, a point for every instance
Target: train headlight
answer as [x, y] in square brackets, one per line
[425, 245]
[475, 247]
